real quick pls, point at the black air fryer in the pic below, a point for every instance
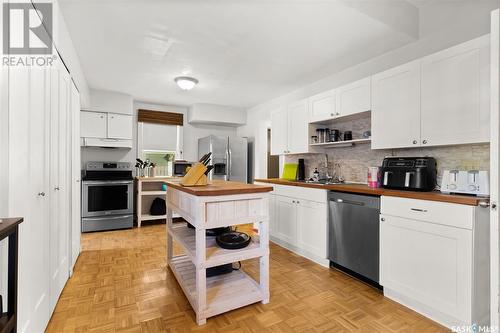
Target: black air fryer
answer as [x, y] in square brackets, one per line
[409, 173]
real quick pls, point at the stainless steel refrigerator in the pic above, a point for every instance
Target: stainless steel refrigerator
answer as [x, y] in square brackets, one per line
[229, 157]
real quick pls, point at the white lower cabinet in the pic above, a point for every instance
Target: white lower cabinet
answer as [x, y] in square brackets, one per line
[434, 259]
[286, 219]
[312, 227]
[299, 224]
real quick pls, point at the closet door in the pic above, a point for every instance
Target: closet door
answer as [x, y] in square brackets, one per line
[75, 176]
[64, 173]
[37, 242]
[20, 187]
[58, 225]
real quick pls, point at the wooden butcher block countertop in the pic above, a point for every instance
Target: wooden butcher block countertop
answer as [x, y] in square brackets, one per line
[365, 189]
[219, 187]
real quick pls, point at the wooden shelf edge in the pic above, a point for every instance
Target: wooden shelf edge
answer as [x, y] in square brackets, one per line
[340, 143]
[149, 217]
[145, 193]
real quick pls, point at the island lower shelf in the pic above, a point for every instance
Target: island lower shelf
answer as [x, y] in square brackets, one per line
[214, 254]
[223, 292]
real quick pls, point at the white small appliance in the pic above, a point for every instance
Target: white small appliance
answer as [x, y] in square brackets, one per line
[474, 182]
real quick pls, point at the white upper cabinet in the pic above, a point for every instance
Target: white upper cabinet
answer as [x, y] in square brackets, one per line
[455, 94]
[289, 129]
[354, 98]
[102, 129]
[396, 107]
[298, 127]
[322, 106]
[119, 126]
[93, 124]
[279, 131]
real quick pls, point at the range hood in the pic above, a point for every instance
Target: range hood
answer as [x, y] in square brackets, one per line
[106, 143]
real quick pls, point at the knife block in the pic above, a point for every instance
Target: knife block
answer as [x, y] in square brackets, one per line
[195, 176]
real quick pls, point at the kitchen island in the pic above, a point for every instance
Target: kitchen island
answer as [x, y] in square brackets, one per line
[218, 204]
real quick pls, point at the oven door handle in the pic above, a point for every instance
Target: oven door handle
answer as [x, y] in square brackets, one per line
[107, 182]
[106, 218]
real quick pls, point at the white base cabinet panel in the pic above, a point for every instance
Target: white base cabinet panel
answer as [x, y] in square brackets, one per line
[312, 227]
[429, 265]
[299, 224]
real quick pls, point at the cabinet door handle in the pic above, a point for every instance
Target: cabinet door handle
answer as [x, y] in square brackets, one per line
[41, 194]
[382, 219]
[419, 210]
[424, 142]
[102, 117]
[57, 188]
[298, 202]
[414, 142]
[293, 201]
[331, 114]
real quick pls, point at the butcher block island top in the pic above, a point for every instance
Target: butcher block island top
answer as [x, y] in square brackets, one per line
[219, 204]
[365, 189]
[218, 187]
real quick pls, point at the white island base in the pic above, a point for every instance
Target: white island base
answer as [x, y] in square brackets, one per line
[219, 204]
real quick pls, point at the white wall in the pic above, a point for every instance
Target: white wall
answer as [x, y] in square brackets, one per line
[110, 101]
[213, 114]
[442, 24]
[191, 133]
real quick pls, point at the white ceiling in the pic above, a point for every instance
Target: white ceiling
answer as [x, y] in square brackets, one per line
[242, 52]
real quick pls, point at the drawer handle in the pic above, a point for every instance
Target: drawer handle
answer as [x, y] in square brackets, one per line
[419, 210]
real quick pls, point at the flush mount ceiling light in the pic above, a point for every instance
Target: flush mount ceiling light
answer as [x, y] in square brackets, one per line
[186, 82]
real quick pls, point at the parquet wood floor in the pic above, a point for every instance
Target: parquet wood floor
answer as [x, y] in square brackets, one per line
[121, 284]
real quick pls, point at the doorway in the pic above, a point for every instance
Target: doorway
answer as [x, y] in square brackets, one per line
[273, 161]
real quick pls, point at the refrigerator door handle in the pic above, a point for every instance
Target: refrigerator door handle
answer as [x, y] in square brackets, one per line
[228, 163]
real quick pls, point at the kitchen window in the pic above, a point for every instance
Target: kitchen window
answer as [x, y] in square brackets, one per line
[162, 159]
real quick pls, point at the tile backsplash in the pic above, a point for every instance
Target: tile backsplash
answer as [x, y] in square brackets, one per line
[355, 160]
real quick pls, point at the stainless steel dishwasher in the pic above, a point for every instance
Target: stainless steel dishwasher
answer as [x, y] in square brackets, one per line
[354, 235]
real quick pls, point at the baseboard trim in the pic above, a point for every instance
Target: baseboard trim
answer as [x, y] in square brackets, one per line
[321, 261]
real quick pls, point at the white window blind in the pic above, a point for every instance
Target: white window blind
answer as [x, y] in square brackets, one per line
[159, 137]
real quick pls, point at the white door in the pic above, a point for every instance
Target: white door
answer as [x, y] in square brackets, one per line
[455, 95]
[64, 172]
[495, 167]
[93, 124]
[286, 219]
[354, 97]
[279, 131]
[322, 106]
[119, 126]
[429, 263]
[59, 218]
[298, 128]
[38, 239]
[54, 184]
[75, 176]
[396, 107]
[312, 227]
